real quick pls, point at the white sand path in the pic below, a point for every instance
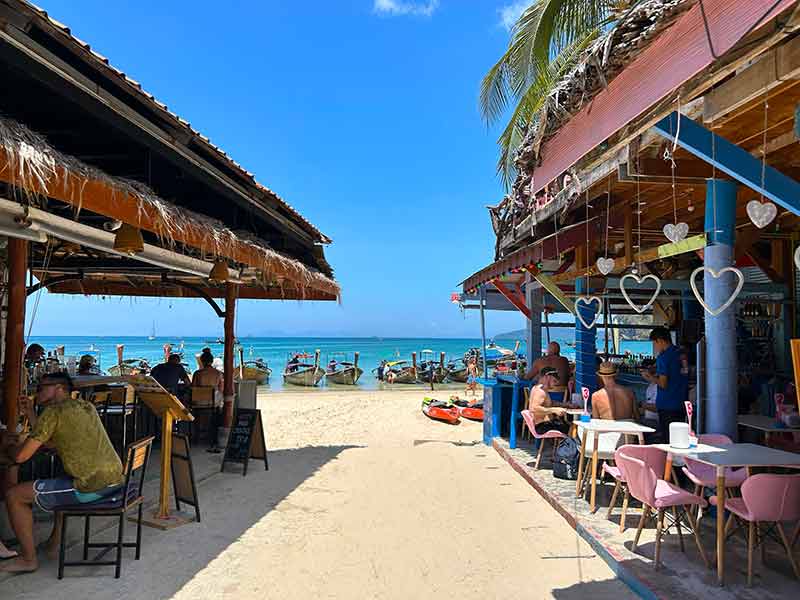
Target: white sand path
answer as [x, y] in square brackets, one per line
[365, 498]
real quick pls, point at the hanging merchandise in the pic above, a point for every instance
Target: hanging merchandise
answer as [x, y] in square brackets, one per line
[605, 265]
[762, 212]
[716, 275]
[588, 301]
[676, 232]
[640, 280]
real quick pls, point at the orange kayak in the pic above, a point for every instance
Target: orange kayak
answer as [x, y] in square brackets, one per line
[439, 411]
[473, 413]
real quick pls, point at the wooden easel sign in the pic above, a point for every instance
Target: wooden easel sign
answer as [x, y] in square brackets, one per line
[246, 439]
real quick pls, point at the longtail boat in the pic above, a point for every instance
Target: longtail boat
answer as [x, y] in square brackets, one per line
[429, 368]
[343, 372]
[300, 373]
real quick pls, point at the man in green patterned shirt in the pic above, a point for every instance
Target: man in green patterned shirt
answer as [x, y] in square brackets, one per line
[73, 429]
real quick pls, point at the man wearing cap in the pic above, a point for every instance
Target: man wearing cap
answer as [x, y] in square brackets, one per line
[613, 401]
[547, 417]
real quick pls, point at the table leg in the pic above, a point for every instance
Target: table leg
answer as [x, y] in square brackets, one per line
[594, 472]
[640, 436]
[668, 467]
[580, 465]
[721, 525]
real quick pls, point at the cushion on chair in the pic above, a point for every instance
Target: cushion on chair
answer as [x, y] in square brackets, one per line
[667, 495]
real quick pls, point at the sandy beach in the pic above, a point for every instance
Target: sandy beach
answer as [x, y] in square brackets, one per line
[365, 498]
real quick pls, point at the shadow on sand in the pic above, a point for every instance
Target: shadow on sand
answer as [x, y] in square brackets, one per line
[230, 503]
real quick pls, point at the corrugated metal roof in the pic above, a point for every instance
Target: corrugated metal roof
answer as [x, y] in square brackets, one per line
[102, 63]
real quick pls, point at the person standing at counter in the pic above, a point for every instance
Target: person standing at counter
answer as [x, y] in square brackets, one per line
[672, 381]
[552, 360]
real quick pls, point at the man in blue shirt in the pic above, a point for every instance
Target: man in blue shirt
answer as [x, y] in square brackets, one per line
[672, 381]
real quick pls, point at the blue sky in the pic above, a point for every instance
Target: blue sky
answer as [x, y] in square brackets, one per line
[362, 114]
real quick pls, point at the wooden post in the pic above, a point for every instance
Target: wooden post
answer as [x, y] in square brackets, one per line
[166, 464]
[228, 390]
[15, 329]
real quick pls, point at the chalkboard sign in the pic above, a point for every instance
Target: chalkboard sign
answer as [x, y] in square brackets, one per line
[246, 439]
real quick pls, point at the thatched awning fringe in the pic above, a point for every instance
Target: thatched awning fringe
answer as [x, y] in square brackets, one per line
[37, 171]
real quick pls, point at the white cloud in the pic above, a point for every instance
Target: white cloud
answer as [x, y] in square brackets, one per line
[511, 12]
[396, 8]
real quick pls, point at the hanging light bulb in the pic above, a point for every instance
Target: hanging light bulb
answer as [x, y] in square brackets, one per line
[219, 272]
[128, 240]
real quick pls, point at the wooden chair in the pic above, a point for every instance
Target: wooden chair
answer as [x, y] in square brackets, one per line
[116, 505]
[203, 404]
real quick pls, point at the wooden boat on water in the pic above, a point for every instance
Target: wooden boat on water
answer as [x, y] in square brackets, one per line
[128, 366]
[343, 372]
[431, 369]
[304, 374]
[253, 370]
[401, 371]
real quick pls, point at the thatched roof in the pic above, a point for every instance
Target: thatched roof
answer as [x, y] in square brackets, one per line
[600, 63]
[37, 171]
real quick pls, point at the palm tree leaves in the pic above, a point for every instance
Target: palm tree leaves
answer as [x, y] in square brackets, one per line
[546, 42]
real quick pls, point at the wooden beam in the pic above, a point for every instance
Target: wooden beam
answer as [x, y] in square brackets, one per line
[15, 330]
[230, 318]
[516, 299]
[772, 69]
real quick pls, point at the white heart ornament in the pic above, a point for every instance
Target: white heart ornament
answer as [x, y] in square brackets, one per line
[797, 258]
[677, 232]
[761, 213]
[640, 281]
[605, 265]
[716, 275]
[587, 300]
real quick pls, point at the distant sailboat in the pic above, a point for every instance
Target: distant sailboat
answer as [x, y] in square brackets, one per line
[152, 335]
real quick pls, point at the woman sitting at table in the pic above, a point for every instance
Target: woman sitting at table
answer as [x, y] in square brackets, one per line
[208, 376]
[613, 401]
[547, 417]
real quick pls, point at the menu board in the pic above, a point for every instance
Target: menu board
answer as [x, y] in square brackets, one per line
[246, 439]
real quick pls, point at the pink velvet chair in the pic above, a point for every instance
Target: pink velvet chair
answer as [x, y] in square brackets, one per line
[766, 498]
[640, 465]
[705, 476]
[549, 435]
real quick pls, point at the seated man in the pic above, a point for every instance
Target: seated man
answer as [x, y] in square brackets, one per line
[613, 401]
[171, 374]
[547, 417]
[207, 376]
[553, 360]
[73, 428]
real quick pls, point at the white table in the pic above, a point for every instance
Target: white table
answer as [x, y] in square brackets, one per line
[673, 451]
[766, 425]
[598, 426]
[737, 455]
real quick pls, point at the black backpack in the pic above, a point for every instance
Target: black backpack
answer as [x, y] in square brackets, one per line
[565, 465]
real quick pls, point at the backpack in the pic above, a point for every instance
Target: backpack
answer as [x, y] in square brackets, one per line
[565, 464]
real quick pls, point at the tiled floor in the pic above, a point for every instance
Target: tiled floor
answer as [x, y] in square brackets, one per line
[682, 575]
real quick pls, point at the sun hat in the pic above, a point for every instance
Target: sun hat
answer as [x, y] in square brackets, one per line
[607, 368]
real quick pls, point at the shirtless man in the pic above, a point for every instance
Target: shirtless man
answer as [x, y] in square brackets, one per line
[553, 360]
[613, 401]
[547, 417]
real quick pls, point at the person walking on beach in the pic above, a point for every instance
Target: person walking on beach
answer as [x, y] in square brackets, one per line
[94, 471]
[547, 417]
[472, 377]
[672, 382]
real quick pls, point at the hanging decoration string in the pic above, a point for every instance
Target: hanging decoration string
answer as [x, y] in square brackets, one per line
[762, 212]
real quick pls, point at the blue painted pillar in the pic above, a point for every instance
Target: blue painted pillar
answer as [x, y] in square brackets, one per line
[690, 307]
[585, 342]
[721, 385]
[533, 342]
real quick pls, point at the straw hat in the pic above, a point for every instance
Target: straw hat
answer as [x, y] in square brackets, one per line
[607, 368]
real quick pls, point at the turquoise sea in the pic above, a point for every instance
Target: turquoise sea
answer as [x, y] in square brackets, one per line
[276, 350]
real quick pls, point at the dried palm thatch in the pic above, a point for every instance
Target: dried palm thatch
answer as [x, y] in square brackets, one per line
[37, 171]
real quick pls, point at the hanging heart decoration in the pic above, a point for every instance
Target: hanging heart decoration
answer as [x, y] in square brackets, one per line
[716, 275]
[797, 258]
[640, 280]
[588, 300]
[605, 265]
[761, 213]
[677, 232]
